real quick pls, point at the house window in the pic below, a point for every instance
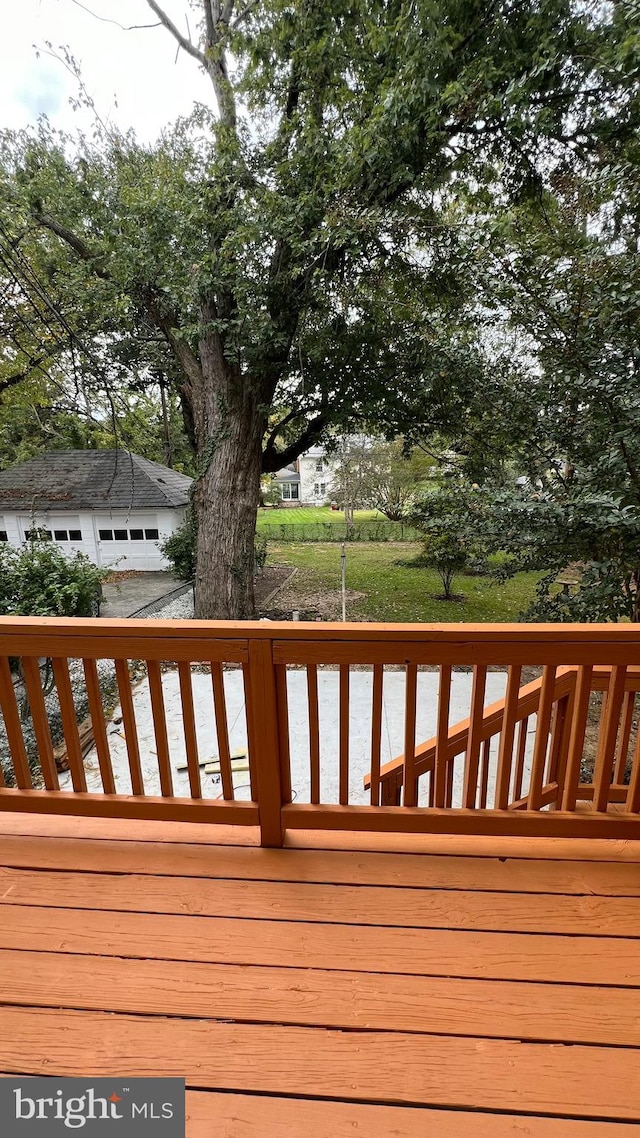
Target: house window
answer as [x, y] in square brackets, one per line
[319, 465]
[3, 535]
[105, 534]
[136, 534]
[61, 534]
[75, 535]
[290, 491]
[320, 489]
[120, 535]
[151, 534]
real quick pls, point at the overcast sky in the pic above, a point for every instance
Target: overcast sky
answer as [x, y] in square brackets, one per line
[133, 76]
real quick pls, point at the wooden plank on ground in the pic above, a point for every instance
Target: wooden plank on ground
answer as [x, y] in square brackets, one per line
[320, 998]
[434, 1070]
[211, 1114]
[294, 901]
[328, 866]
[363, 948]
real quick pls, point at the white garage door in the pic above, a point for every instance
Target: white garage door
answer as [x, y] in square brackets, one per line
[71, 533]
[129, 542]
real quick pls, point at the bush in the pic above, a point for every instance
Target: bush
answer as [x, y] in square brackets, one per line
[451, 520]
[37, 579]
[180, 548]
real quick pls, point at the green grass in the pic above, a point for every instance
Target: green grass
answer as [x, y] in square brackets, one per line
[304, 515]
[395, 592]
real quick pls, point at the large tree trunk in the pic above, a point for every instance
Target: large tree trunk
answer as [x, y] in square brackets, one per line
[227, 492]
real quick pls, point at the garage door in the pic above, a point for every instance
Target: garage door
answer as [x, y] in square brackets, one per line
[71, 533]
[130, 542]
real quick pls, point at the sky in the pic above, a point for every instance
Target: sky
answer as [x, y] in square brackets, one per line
[134, 76]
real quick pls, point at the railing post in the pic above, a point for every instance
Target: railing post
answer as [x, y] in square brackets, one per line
[262, 714]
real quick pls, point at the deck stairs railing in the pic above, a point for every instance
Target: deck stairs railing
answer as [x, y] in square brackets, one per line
[552, 699]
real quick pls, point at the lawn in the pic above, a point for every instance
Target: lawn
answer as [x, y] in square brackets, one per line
[394, 592]
[304, 515]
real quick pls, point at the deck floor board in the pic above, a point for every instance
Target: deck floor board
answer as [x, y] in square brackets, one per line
[325, 993]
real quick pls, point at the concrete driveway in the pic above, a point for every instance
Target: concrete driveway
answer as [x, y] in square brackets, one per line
[125, 596]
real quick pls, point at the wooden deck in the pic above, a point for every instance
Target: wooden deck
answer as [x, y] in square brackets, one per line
[465, 988]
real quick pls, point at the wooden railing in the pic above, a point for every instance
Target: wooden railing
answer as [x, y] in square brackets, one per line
[315, 708]
[611, 755]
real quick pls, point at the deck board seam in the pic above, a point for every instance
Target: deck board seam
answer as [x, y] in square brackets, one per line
[590, 934]
[312, 968]
[343, 1029]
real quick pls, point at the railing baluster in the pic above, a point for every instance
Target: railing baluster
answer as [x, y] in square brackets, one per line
[262, 715]
[472, 756]
[222, 732]
[521, 748]
[123, 680]
[560, 744]
[484, 773]
[576, 738]
[622, 749]
[160, 727]
[13, 728]
[189, 728]
[40, 721]
[376, 732]
[344, 734]
[633, 794]
[439, 779]
[607, 741]
[410, 796]
[69, 723]
[98, 725]
[283, 731]
[507, 736]
[314, 732]
[541, 743]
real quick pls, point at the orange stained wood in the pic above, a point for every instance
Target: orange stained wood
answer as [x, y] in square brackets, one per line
[329, 992]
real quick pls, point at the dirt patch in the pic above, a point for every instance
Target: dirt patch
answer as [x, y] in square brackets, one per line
[271, 578]
[326, 605]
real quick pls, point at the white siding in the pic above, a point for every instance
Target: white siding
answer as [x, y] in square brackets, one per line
[311, 477]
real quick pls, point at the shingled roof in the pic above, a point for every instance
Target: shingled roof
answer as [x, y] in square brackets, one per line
[93, 480]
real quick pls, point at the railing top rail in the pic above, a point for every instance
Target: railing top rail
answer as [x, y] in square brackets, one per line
[600, 635]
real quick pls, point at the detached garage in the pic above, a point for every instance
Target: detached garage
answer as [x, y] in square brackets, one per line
[112, 505]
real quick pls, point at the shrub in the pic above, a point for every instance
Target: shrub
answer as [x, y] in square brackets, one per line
[38, 579]
[180, 548]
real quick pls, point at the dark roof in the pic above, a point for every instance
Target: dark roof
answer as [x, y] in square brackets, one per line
[94, 480]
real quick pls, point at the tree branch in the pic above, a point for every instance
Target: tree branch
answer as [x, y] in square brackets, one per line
[75, 242]
[244, 13]
[184, 42]
[273, 460]
[107, 20]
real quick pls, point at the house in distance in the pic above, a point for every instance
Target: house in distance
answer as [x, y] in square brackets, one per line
[111, 505]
